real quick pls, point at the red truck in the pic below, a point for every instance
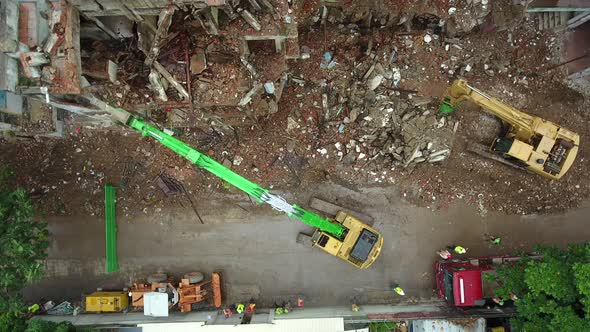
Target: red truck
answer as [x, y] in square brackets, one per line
[462, 282]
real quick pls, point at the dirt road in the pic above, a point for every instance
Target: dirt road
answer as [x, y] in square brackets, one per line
[259, 257]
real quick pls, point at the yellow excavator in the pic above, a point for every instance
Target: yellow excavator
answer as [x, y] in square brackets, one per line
[530, 142]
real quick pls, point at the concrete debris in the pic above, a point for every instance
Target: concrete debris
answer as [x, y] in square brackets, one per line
[291, 124]
[198, 61]
[164, 22]
[248, 17]
[248, 97]
[375, 82]
[157, 86]
[305, 52]
[249, 66]
[238, 160]
[112, 69]
[181, 90]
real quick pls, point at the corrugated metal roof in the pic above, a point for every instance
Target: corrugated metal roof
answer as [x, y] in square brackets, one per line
[281, 325]
[438, 325]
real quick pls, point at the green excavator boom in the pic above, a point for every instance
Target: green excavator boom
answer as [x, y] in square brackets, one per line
[201, 160]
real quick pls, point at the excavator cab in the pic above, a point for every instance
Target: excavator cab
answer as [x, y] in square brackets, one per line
[359, 246]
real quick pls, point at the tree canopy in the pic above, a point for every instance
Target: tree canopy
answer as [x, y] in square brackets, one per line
[553, 293]
[23, 244]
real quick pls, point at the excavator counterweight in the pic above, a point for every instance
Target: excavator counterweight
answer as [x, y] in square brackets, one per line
[531, 142]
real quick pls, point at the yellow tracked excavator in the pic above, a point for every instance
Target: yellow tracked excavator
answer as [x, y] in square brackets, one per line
[530, 142]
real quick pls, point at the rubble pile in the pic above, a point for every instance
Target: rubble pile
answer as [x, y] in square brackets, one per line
[290, 93]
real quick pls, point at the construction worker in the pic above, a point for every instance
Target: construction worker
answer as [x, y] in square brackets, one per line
[240, 308]
[34, 308]
[396, 288]
[444, 254]
[498, 300]
[279, 311]
[355, 307]
[300, 302]
[227, 312]
[460, 250]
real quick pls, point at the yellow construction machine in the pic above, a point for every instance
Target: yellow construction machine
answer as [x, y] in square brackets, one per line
[530, 142]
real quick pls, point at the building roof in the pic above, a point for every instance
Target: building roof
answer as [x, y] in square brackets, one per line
[282, 325]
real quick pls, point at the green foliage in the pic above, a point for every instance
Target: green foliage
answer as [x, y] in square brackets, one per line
[37, 325]
[23, 242]
[12, 322]
[382, 327]
[553, 293]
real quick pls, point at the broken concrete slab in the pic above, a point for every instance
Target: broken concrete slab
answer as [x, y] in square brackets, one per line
[198, 61]
[164, 22]
[157, 86]
[181, 90]
[248, 97]
[248, 17]
[249, 66]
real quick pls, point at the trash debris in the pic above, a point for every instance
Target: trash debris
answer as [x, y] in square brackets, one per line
[269, 88]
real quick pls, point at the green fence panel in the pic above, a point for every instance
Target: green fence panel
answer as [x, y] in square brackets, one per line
[112, 264]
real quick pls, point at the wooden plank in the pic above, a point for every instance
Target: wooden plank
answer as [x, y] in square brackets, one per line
[331, 209]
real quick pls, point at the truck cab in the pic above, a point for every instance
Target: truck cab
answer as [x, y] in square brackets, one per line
[463, 283]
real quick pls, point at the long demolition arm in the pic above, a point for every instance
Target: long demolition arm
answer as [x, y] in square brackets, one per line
[259, 193]
[460, 90]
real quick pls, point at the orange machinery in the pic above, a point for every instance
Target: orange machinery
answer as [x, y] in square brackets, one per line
[194, 293]
[190, 290]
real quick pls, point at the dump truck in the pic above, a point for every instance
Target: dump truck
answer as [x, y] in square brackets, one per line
[529, 142]
[344, 236]
[463, 282]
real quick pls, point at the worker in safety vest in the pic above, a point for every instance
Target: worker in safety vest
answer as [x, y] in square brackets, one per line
[498, 300]
[396, 288]
[460, 250]
[279, 311]
[355, 307]
[240, 308]
[33, 308]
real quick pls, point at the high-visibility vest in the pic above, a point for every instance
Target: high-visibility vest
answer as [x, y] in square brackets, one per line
[399, 291]
[240, 308]
[279, 311]
[460, 250]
